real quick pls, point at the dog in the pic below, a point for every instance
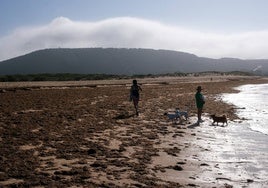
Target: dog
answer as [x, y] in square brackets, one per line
[177, 115]
[217, 119]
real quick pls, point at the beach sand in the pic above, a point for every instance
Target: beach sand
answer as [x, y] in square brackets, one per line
[86, 134]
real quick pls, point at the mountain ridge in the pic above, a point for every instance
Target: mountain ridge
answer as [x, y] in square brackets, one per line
[123, 61]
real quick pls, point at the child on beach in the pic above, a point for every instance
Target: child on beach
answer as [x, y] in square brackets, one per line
[135, 95]
[200, 101]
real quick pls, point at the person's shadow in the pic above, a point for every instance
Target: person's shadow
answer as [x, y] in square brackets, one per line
[192, 126]
[124, 116]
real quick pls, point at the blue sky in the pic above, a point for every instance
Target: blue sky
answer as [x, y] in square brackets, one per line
[210, 28]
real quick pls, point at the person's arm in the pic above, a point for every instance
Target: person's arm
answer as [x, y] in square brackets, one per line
[202, 98]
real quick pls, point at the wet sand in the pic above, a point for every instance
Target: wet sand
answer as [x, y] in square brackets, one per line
[86, 134]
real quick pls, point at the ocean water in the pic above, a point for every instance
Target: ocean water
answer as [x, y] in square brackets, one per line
[245, 149]
[252, 104]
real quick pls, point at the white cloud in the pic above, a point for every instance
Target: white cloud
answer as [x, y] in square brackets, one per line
[127, 32]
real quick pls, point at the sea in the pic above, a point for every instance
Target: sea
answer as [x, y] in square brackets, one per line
[252, 105]
[248, 137]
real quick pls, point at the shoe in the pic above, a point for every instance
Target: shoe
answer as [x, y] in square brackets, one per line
[200, 121]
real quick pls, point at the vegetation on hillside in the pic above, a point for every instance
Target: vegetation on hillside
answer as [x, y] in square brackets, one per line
[114, 61]
[78, 77]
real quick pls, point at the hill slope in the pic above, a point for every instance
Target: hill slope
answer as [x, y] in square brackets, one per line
[121, 61]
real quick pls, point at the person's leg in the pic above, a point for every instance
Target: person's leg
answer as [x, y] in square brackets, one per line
[199, 114]
[135, 102]
[137, 108]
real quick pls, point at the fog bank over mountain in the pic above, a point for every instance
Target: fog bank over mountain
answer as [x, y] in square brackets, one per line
[124, 61]
[133, 32]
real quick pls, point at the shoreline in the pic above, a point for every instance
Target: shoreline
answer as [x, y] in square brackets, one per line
[80, 137]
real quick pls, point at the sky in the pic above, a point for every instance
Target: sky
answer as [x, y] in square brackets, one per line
[206, 28]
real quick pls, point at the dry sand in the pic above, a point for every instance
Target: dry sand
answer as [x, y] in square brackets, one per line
[85, 134]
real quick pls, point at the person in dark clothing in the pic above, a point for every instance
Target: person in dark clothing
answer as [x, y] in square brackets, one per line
[200, 101]
[135, 95]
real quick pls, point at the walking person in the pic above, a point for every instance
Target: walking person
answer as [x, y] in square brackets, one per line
[135, 95]
[200, 101]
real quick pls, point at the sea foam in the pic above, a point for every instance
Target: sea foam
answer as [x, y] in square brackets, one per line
[252, 103]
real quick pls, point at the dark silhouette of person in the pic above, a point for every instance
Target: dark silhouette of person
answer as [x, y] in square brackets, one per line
[200, 101]
[135, 95]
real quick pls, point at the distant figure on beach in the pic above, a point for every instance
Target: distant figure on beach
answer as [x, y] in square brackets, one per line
[200, 101]
[135, 95]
